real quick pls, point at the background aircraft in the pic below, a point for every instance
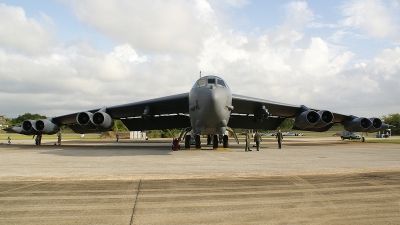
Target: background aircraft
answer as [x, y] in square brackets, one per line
[209, 108]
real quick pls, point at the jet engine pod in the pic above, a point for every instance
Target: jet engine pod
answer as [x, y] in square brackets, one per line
[360, 124]
[102, 120]
[29, 127]
[46, 127]
[85, 120]
[376, 124]
[326, 119]
[20, 130]
[307, 119]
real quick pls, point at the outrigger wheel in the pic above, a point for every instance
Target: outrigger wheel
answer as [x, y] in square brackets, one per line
[187, 142]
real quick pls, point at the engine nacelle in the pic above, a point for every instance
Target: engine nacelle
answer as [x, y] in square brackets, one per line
[326, 117]
[28, 126]
[20, 130]
[307, 119]
[358, 125]
[46, 127]
[102, 120]
[85, 120]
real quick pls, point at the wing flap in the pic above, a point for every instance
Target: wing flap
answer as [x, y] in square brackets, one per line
[157, 123]
[247, 122]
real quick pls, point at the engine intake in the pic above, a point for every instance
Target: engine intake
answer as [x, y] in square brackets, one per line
[360, 124]
[102, 120]
[85, 120]
[46, 127]
[307, 119]
[326, 119]
[28, 126]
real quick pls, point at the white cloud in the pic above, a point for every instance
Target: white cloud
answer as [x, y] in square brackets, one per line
[237, 3]
[126, 53]
[149, 26]
[153, 58]
[373, 17]
[19, 33]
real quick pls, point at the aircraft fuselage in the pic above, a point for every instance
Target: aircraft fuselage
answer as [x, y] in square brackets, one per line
[210, 103]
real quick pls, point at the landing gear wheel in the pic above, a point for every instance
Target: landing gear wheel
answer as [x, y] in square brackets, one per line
[187, 142]
[197, 139]
[215, 141]
[208, 139]
[226, 141]
[362, 139]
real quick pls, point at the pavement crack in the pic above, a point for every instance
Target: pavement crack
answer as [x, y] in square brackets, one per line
[134, 205]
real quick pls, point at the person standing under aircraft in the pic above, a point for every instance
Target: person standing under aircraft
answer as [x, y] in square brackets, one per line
[59, 138]
[247, 149]
[279, 136]
[36, 139]
[257, 140]
[9, 140]
[39, 136]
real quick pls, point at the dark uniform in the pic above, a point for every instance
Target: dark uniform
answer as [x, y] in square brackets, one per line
[279, 136]
[59, 138]
[257, 140]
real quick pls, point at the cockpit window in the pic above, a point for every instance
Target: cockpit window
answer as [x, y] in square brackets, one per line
[202, 83]
[221, 82]
[211, 81]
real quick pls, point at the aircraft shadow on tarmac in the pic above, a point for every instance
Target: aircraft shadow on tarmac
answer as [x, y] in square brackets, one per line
[76, 150]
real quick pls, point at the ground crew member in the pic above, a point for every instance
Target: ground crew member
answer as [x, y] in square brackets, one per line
[59, 138]
[247, 149]
[257, 140]
[9, 140]
[279, 136]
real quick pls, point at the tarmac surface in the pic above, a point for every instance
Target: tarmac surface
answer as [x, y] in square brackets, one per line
[308, 181]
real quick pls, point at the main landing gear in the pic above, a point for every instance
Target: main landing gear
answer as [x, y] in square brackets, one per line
[194, 139]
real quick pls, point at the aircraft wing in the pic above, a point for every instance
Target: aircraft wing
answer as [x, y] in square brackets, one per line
[159, 113]
[172, 104]
[249, 105]
[267, 114]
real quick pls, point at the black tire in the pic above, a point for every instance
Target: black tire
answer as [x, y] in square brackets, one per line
[215, 141]
[226, 141]
[197, 139]
[208, 139]
[187, 142]
[362, 139]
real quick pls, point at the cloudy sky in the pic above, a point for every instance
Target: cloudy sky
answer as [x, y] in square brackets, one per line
[64, 56]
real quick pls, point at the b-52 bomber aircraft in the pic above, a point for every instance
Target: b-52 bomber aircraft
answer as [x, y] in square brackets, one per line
[209, 108]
